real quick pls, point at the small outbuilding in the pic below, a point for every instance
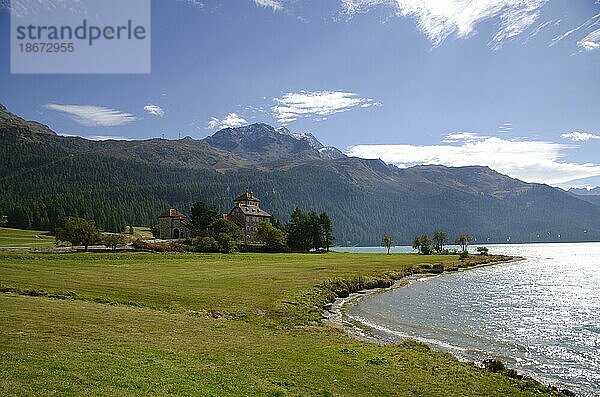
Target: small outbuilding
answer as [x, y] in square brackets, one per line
[173, 224]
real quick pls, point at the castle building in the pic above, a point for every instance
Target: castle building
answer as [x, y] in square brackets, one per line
[247, 214]
[173, 225]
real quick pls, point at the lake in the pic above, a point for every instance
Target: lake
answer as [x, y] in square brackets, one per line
[540, 316]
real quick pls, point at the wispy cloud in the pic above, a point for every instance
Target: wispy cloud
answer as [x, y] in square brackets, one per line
[462, 136]
[542, 26]
[440, 19]
[580, 136]
[292, 106]
[26, 8]
[591, 41]
[99, 137]
[505, 128]
[276, 5]
[232, 120]
[529, 160]
[93, 116]
[590, 23]
[154, 110]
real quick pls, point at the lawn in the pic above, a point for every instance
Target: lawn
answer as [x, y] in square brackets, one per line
[191, 324]
[25, 238]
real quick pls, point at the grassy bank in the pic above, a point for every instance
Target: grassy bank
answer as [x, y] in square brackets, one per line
[243, 324]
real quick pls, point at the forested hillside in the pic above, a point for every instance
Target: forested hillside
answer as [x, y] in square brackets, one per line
[44, 177]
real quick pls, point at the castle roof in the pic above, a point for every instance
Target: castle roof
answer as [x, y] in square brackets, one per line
[172, 213]
[253, 211]
[248, 196]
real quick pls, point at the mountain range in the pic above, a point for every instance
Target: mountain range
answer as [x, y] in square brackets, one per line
[45, 176]
[589, 195]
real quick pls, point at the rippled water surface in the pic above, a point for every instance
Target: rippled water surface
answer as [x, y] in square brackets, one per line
[540, 316]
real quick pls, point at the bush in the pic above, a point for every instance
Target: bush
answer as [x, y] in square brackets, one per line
[113, 240]
[464, 255]
[226, 243]
[437, 268]
[205, 244]
[483, 250]
[494, 365]
[158, 247]
[379, 361]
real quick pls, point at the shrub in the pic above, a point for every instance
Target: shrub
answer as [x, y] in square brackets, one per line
[464, 255]
[437, 268]
[379, 361]
[113, 240]
[494, 365]
[226, 243]
[144, 245]
[205, 244]
[483, 250]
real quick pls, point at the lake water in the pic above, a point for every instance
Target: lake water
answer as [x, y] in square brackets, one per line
[540, 316]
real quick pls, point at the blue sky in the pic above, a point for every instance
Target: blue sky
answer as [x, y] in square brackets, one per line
[512, 84]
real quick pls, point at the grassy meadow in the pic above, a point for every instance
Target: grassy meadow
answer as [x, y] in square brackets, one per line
[25, 238]
[215, 325]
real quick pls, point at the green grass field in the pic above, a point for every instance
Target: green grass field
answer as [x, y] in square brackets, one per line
[222, 325]
[25, 238]
[142, 232]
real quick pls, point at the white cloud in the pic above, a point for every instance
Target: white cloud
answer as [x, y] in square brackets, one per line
[47, 8]
[580, 136]
[292, 106]
[276, 5]
[462, 136]
[542, 26]
[108, 138]
[531, 161]
[591, 41]
[93, 116]
[99, 137]
[505, 128]
[232, 120]
[154, 110]
[593, 21]
[438, 19]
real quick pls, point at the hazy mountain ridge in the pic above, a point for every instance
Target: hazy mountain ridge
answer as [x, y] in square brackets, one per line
[123, 182]
[589, 195]
[585, 192]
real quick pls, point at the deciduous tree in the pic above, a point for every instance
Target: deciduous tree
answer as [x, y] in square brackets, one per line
[113, 240]
[78, 231]
[388, 242]
[440, 238]
[463, 240]
[272, 237]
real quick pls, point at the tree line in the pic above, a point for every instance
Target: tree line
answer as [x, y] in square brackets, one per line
[426, 245]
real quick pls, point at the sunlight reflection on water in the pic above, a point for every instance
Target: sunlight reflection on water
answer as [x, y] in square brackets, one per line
[540, 315]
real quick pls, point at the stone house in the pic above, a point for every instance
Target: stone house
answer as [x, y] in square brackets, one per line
[173, 225]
